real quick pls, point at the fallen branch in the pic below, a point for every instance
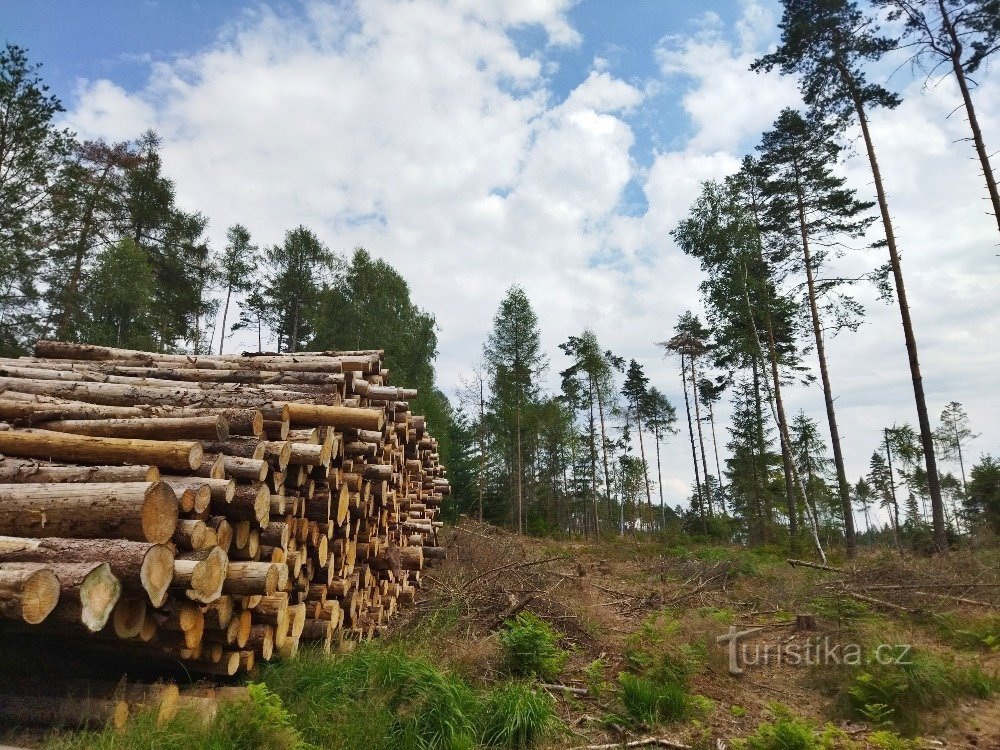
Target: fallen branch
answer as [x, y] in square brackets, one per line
[805, 564]
[512, 610]
[510, 566]
[880, 602]
[644, 742]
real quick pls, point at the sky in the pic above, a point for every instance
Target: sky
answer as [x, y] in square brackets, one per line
[475, 144]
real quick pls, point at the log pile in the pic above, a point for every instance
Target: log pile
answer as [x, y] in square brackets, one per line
[217, 510]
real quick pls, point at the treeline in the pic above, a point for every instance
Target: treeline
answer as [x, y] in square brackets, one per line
[766, 238]
[93, 247]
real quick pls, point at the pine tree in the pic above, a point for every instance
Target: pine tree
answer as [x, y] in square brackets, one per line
[827, 43]
[960, 34]
[805, 199]
[635, 391]
[660, 416]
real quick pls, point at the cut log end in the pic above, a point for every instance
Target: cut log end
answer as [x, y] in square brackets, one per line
[99, 594]
[159, 513]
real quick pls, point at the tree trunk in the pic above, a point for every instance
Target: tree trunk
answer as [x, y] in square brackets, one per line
[132, 510]
[65, 447]
[645, 467]
[28, 471]
[225, 312]
[694, 454]
[159, 428]
[701, 439]
[894, 510]
[718, 464]
[604, 446]
[977, 133]
[831, 415]
[141, 567]
[926, 436]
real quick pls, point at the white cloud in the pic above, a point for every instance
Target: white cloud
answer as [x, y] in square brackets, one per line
[421, 131]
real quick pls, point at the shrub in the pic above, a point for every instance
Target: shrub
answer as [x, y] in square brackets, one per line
[515, 716]
[648, 701]
[531, 648]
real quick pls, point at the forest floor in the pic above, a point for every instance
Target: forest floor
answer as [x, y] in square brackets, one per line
[636, 605]
[637, 621]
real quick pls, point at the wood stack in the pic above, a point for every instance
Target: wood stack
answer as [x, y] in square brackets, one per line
[214, 509]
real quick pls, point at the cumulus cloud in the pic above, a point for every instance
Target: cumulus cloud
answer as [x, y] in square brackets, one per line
[422, 131]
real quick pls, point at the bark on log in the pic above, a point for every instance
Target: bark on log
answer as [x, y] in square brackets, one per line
[28, 471]
[64, 447]
[141, 567]
[314, 415]
[138, 511]
[159, 428]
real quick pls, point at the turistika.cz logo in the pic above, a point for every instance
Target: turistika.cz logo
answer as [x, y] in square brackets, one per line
[810, 653]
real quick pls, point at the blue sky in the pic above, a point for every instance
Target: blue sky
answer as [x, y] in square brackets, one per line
[478, 143]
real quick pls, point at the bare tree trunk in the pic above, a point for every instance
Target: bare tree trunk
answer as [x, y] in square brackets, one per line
[225, 312]
[831, 415]
[645, 467]
[718, 464]
[926, 436]
[520, 465]
[659, 480]
[701, 439]
[894, 510]
[593, 455]
[604, 446]
[694, 454]
[482, 447]
[977, 133]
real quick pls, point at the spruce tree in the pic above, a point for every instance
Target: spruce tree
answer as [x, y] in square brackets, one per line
[296, 269]
[514, 359]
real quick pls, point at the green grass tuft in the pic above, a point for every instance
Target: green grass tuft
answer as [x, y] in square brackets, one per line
[514, 715]
[649, 701]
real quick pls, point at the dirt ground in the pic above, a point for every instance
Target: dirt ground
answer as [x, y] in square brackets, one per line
[611, 598]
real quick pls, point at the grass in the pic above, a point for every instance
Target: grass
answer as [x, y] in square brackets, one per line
[514, 715]
[649, 701]
[789, 732]
[378, 697]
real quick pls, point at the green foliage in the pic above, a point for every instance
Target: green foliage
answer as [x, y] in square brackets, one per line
[895, 690]
[888, 740]
[786, 732]
[982, 504]
[593, 673]
[531, 647]
[295, 269]
[257, 721]
[650, 701]
[975, 634]
[121, 314]
[841, 609]
[514, 715]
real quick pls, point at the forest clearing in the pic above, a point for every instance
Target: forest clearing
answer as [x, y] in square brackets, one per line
[448, 375]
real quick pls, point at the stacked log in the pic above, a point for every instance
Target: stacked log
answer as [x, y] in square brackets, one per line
[217, 510]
